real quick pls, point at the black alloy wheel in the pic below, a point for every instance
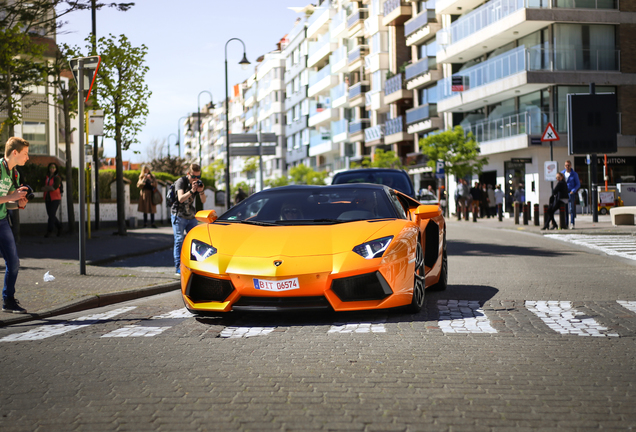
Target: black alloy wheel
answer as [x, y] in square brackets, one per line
[442, 283]
[418, 281]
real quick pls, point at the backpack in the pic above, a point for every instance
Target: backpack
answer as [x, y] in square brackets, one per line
[171, 195]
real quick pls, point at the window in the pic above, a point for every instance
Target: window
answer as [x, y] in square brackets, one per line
[35, 133]
[585, 47]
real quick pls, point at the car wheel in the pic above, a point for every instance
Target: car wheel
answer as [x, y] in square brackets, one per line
[418, 281]
[603, 211]
[442, 283]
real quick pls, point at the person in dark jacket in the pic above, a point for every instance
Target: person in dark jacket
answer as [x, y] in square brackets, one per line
[559, 195]
[52, 199]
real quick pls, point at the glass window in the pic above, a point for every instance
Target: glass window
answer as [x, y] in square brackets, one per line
[585, 47]
[35, 133]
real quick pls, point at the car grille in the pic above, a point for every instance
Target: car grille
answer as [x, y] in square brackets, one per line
[206, 289]
[277, 304]
[370, 286]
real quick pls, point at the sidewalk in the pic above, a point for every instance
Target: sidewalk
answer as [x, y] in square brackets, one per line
[101, 285]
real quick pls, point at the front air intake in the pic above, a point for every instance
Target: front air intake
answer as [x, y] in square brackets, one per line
[205, 289]
[370, 286]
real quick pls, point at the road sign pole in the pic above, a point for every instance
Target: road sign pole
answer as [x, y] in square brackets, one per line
[594, 174]
[81, 178]
[260, 158]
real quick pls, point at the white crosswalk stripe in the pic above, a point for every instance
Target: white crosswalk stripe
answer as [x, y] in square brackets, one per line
[48, 331]
[618, 245]
[136, 331]
[175, 314]
[630, 305]
[358, 328]
[245, 332]
[561, 317]
[463, 316]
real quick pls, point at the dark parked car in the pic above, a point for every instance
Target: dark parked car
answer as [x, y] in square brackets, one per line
[394, 178]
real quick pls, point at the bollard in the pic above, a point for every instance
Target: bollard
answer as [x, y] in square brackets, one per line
[500, 211]
[536, 215]
[466, 210]
[562, 217]
[545, 214]
[475, 213]
[516, 212]
[529, 211]
[526, 214]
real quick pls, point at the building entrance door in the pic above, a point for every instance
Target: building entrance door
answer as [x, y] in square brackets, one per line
[515, 173]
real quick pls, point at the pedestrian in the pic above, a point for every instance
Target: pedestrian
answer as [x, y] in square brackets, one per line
[484, 205]
[240, 196]
[52, 198]
[572, 180]
[183, 211]
[475, 194]
[499, 199]
[519, 195]
[492, 201]
[462, 199]
[16, 153]
[147, 184]
[559, 196]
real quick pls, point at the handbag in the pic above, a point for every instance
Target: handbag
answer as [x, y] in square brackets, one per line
[156, 197]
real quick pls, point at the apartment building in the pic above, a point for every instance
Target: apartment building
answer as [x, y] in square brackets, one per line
[516, 61]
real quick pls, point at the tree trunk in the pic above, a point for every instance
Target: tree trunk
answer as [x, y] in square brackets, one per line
[70, 209]
[121, 202]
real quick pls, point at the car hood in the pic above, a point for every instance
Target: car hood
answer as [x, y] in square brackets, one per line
[242, 240]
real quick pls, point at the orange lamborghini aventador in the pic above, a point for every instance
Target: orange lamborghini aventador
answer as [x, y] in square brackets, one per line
[341, 248]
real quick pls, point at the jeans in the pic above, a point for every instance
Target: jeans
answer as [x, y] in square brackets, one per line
[572, 207]
[180, 227]
[51, 211]
[10, 254]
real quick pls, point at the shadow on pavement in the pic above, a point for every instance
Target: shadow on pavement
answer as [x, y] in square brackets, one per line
[462, 248]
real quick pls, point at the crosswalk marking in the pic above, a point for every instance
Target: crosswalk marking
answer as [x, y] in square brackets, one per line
[48, 331]
[245, 332]
[630, 305]
[463, 316]
[136, 331]
[561, 317]
[618, 245]
[358, 328]
[175, 314]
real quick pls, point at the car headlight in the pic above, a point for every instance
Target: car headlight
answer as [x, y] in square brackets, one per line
[200, 251]
[374, 248]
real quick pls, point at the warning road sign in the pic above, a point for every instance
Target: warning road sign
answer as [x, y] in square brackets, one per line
[549, 134]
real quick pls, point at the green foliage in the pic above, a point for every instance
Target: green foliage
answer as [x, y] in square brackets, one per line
[169, 164]
[216, 172]
[276, 182]
[302, 174]
[459, 152]
[381, 159]
[251, 166]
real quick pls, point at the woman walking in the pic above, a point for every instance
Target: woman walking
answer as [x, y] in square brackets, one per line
[147, 183]
[559, 195]
[52, 198]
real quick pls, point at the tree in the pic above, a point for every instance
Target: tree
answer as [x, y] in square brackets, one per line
[302, 174]
[381, 159]
[123, 95]
[276, 182]
[216, 170]
[250, 166]
[460, 152]
[156, 149]
[169, 164]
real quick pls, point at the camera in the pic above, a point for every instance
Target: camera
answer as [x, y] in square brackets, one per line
[198, 183]
[29, 192]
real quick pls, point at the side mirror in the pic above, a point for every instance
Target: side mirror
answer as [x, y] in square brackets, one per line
[428, 211]
[207, 216]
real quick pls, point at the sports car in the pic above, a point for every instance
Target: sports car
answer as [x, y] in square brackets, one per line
[341, 248]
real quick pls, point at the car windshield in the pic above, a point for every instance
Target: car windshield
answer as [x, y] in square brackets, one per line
[312, 206]
[393, 180]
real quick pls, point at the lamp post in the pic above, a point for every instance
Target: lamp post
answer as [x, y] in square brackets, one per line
[168, 140]
[199, 120]
[244, 62]
[179, 135]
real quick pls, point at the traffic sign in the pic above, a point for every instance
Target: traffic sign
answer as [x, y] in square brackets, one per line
[549, 134]
[90, 66]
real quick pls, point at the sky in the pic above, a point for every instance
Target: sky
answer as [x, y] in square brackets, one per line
[186, 54]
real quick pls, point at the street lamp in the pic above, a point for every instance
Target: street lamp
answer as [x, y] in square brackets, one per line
[199, 119]
[168, 140]
[179, 134]
[244, 62]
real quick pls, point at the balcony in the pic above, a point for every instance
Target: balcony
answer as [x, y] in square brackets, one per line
[376, 62]
[338, 60]
[394, 90]
[396, 12]
[521, 71]
[422, 118]
[338, 25]
[320, 113]
[319, 21]
[356, 57]
[356, 129]
[321, 81]
[473, 34]
[395, 131]
[355, 22]
[421, 27]
[320, 143]
[356, 94]
[373, 25]
[374, 101]
[339, 130]
[250, 97]
[374, 135]
[339, 96]
[320, 49]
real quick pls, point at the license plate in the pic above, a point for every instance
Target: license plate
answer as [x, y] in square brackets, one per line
[280, 285]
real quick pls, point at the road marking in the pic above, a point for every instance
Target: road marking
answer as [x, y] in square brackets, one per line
[48, 331]
[136, 331]
[463, 316]
[175, 314]
[561, 317]
[619, 245]
[631, 305]
[358, 328]
[241, 332]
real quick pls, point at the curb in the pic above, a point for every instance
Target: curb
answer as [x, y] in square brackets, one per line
[91, 302]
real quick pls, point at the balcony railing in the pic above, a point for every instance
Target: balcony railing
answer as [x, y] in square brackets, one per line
[338, 55]
[358, 15]
[337, 20]
[391, 5]
[317, 107]
[516, 124]
[358, 125]
[322, 73]
[338, 91]
[357, 90]
[420, 113]
[393, 84]
[534, 59]
[586, 4]
[416, 69]
[484, 16]
[419, 21]
[319, 138]
[339, 127]
[320, 43]
[317, 13]
[394, 126]
[374, 133]
[357, 53]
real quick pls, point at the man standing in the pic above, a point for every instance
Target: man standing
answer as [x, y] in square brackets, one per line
[499, 199]
[572, 180]
[183, 210]
[16, 153]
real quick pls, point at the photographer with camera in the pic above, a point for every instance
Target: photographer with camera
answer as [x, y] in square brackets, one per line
[183, 210]
[16, 153]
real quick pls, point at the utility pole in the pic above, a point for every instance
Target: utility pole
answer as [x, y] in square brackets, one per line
[95, 137]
